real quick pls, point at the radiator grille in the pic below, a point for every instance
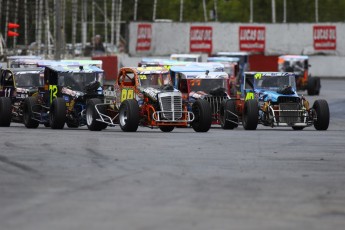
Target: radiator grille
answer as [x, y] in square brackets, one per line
[171, 106]
[289, 113]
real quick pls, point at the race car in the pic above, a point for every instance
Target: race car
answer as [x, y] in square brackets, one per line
[270, 99]
[299, 64]
[63, 98]
[243, 62]
[186, 57]
[197, 84]
[16, 84]
[144, 96]
[231, 66]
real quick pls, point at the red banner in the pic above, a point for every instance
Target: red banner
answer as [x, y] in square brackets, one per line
[144, 36]
[252, 38]
[200, 38]
[325, 37]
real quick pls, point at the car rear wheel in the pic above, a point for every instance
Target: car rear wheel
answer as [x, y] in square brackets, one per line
[322, 112]
[57, 113]
[313, 86]
[202, 116]
[5, 111]
[129, 115]
[29, 107]
[250, 115]
[227, 114]
[92, 115]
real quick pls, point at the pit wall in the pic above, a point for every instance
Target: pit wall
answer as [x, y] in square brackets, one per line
[163, 39]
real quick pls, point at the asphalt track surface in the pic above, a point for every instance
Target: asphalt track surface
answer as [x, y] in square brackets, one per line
[224, 179]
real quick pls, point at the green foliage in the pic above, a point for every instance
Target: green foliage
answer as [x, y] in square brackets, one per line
[228, 11]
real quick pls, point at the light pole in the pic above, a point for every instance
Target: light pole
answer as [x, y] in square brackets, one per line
[273, 11]
[316, 11]
[251, 11]
[58, 37]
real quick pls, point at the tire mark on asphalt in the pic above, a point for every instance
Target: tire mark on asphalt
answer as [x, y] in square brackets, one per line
[58, 196]
[20, 166]
[12, 145]
[97, 158]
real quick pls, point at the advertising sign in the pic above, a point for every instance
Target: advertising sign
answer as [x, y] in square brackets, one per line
[252, 38]
[144, 36]
[325, 37]
[201, 39]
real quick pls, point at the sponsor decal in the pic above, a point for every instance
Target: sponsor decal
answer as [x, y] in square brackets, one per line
[252, 38]
[200, 39]
[144, 37]
[325, 37]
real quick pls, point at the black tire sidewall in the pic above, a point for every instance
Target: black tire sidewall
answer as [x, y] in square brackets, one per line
[250, 114]
[131, 109]
[91, 108]
[57, 113]
[202, 116]
[28, 113]
[321, 109]
[5, 111]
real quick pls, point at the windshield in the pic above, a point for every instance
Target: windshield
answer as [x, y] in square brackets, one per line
[206, 85]
[292, 66]
[274, 82]
[78, 81]
[154, 80]
[29, 79]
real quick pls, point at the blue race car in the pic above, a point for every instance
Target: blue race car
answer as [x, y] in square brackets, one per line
[270, 99]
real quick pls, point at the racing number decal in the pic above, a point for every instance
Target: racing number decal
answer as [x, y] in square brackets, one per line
[53, 92]
[249, 95]
[127, 94]
[258, 76]
[167, 67]
[195, 82]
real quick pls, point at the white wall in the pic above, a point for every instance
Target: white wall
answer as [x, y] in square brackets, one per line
[290, 38]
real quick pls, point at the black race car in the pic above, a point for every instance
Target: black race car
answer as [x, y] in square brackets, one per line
[16, 84]
[63, 98]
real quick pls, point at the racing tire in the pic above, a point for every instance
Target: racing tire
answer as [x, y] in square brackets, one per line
[28, 109]
[250, 118]
[322, 112]
[57, 115]
[166, 129]
[5, 111]
[92, 115]
[228, 120]
[313, 86]
[129, 115]
[298, 127]
[202, 116]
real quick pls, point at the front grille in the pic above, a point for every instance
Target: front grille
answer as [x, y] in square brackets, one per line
[282, 99]
[289, 113]
[171, 105]
[215, 102]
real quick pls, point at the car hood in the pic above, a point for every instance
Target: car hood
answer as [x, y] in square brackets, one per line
[153, 92]
[266, 95]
